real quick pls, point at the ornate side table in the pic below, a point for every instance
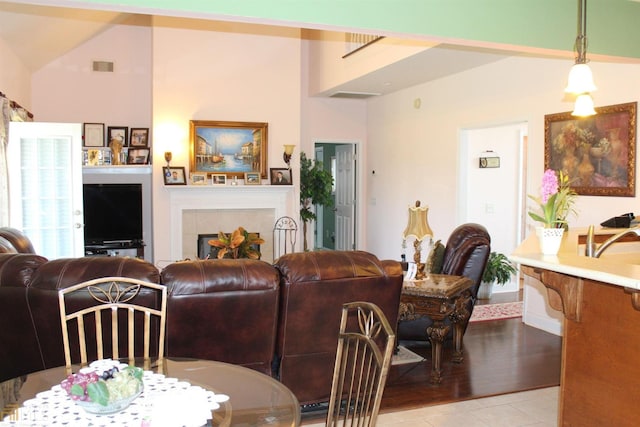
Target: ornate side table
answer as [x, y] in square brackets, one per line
[438, 296]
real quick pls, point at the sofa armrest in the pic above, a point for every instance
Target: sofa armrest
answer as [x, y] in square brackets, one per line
[18, 240]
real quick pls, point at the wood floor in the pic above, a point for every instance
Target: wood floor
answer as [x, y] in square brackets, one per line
[502, 356]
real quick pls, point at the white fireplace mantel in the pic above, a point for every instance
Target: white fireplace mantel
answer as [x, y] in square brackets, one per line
[195, 197]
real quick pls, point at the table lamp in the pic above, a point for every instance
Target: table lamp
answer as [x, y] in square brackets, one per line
[418, 227]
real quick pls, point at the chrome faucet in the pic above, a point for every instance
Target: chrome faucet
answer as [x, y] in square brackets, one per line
[593, 251]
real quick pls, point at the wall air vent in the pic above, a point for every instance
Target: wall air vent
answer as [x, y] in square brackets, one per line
[103, 66]
[353, 95]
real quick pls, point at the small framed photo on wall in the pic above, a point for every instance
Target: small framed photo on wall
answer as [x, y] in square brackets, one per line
[118, 134]
[139, 137]
[174, 175]
[93, 134]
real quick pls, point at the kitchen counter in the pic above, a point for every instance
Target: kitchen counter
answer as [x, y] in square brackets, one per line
[619, 265]
[599, 299]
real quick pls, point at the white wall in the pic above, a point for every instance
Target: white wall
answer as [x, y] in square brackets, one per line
[67, 90]
[414, 152]
[15, 77]
[491, 196]
[205, 70]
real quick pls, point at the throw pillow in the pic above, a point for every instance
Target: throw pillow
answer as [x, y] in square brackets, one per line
[436, 258]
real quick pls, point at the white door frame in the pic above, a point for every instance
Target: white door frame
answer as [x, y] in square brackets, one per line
[469, 157]
[359, 192]
[318, 237]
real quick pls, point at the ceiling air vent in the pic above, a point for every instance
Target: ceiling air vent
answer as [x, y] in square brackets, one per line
[354, 95]
[103, 66]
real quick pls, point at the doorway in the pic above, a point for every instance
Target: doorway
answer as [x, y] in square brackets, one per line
[493, 194]
[336, 226]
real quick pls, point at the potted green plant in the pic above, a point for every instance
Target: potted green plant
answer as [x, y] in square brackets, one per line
[498, 270]
[315, 189]
[238, 244]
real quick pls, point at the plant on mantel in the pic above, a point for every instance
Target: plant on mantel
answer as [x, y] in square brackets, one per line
[315, 189]
[239, 244]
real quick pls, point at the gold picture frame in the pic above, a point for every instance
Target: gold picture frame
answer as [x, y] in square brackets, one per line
[252, 178]
[198, 178]
[231, 148]
[597, 153]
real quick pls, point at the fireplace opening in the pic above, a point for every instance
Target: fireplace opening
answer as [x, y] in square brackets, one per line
[205, 250]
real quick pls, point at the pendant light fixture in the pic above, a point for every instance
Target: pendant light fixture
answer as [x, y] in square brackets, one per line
[580, 77]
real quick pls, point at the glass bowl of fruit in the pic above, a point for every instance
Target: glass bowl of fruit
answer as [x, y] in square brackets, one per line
[104, 388]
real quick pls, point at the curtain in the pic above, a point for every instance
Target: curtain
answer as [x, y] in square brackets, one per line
[5, 117]
[9, 112]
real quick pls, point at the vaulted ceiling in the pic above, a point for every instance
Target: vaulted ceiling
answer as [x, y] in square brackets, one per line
[40, 34]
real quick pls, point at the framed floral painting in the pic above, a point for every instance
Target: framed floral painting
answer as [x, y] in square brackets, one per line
[597, 153]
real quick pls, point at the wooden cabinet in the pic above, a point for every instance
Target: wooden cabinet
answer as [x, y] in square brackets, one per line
[600, 372]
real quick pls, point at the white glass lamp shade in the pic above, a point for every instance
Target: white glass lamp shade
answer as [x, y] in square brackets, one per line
[418, 225]
[583, 106]
[580, 80]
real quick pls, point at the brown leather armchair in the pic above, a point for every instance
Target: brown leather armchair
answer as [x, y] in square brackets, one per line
[466, 254]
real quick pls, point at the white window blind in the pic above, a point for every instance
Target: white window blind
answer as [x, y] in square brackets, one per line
[44, 201]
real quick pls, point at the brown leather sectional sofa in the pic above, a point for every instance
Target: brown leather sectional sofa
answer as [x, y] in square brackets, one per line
[280, 319]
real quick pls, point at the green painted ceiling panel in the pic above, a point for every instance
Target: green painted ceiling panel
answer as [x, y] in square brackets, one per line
[612, 27]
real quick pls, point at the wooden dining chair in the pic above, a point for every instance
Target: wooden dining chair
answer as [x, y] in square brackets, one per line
[110, 315]
[365, 347]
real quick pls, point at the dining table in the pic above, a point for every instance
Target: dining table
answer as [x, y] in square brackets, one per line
[236, 395]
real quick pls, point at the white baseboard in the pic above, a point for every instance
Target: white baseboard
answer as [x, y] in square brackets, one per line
[545, 323]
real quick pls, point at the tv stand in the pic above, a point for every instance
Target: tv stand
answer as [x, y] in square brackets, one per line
[130, 248]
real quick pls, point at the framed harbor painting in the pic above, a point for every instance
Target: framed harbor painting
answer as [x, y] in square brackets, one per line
[231, 148]
[597, 153]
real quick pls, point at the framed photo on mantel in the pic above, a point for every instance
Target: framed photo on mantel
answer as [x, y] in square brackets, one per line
[280, 176]
[174, 175]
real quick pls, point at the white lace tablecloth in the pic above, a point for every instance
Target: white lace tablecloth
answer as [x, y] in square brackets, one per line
[164, 402]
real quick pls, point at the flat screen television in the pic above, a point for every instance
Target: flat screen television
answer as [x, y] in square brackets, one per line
[112, 214]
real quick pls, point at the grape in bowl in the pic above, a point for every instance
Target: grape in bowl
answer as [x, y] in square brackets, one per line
[105, 391]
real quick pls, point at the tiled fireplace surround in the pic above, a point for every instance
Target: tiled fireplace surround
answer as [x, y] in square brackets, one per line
[209, 210]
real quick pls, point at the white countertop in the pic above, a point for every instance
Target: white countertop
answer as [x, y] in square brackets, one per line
[618, 265]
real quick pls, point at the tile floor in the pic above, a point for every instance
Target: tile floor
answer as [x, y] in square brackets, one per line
[537, 408]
